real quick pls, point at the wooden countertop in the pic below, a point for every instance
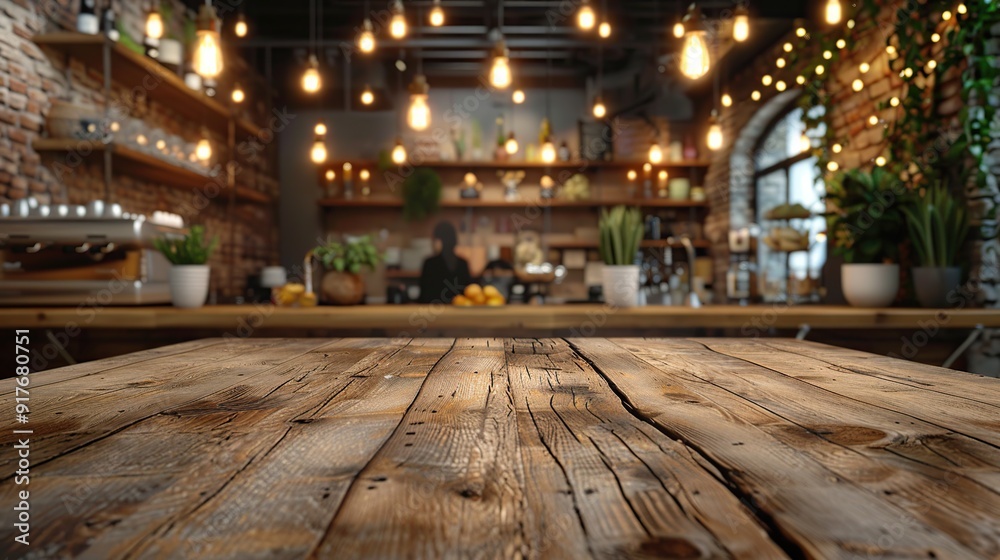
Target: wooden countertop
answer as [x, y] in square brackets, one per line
[584, 318]
[492, 448]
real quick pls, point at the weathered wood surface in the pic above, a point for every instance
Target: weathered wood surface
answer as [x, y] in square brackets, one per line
[508, 448]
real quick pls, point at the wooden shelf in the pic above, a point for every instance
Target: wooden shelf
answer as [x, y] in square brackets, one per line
[392, 202]
[581, 165]
[132, 162]
[646, 244]
[135, 70]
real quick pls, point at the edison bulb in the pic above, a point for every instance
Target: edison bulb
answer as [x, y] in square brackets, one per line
[510, 146]
[834, 12]
[419, 115]
[154, 25]
[366, 40]
[203, 150]
[741, 25]
[311, 80]
[604, 30]
[331, 175]
[500, 76]
[397, 26]
[631, 175]
[518, 96]
[727, 100]
[208, 54]
[679, 30]
[715, 139]
[367, 97]
[695, 60]
[599, 109]
[320, 129]
[655, 154]
[548, 151]
[318, 152]
[437, 16]
[238, 95]
[240, 28]
[585, 18]
[399, 154]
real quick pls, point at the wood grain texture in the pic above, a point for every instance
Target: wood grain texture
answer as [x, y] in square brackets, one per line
[509, 448]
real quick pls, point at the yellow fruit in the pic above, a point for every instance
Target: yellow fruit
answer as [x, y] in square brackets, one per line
[308, 300]
[495, 302]
[472, 291]
[480, 299]
[461, 301]
[491, 292]
[297, 289]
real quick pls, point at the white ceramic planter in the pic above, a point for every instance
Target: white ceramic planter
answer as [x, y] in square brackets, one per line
[620, 285]
[189, 285]
[870, 285]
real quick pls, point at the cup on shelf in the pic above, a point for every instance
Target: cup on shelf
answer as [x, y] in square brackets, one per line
[680, 188]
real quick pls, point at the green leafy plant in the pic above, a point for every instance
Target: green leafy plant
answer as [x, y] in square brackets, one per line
[621, 233]
[938, 226]
[421, 194]
[191, 249]
[351, 255]
[867, 223]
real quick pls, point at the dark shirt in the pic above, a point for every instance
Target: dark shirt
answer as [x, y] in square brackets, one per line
[440, 284]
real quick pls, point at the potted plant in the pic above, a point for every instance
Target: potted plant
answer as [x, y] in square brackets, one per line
[938, 227]
[342, 262]
[621, 231]
[189, 274]
[421, 194]
[867, 227]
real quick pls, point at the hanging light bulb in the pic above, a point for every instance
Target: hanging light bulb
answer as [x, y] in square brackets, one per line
[312, 82]
[436, 16]
[241, 26]
[318, 152]
[154, 24]
[834, 12]
[511, 146]
[500, 75]
[330, 175]
[780, 85]
[518, 96]
[715, 139]
[397, 25]
[319, 129]
[367, 97]
[419, 115]
[727, 100]
[203, 150]
[238, 95]
[399, 152]
[548, 151]
[585, 17]
[679, 30]
[600, 111]
[208, 47]
[366, 40]
[741, 24]
[655, 153]
[695, 59]
[604, 30]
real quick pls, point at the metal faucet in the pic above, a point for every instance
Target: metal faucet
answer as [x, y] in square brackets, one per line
[692, 298]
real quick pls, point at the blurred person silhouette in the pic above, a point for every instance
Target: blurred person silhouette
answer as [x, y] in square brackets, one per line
[445, 275]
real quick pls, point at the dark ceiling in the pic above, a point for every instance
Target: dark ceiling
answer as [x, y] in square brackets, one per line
[536, 31]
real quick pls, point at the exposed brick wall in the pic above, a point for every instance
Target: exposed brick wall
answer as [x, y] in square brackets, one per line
[30, 80]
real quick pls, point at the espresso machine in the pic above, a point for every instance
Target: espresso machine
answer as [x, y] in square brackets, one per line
[90, 255]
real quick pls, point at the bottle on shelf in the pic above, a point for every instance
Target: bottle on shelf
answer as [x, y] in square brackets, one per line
[86, 19]
[564, 154]
[499, 152]
[108, 23]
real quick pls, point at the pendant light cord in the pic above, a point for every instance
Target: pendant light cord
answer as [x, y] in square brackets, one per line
[399, 97]
[548, 78]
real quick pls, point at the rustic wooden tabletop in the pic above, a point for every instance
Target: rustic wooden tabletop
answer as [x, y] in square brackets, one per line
[506, 448]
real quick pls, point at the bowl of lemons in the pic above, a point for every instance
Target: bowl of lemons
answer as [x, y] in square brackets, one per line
[479, 296]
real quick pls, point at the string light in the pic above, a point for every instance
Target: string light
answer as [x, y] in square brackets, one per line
[311, 80]
[841, 43]
[780, 63]
[241, 26]
[419, 115]
[319, 129]
[880, 161]
[397, 25]
[585, 17]
[820, 69]
[679, 30]
[203, 150]
[850, 24]
[873, 120]
[935, 37]
[518, 96]
[510, 146]
[946, 15]
[727, 100]
[837, 148]
[908, 73]
[366, 40]
[890, 50]
[864, 68]
[962, 9]
[695, 60]
[827, 55]
[399, 152]
[367, 96]
[208, 48]
[787, 47]
[894, 102]
[755, 95]
[766, 79]
[436, 16]
[833, 166]
[318, 153]
[800, 32]
[834, 12]
[857, 85]
[931, 65]
[238, 95]
[780, 85]
[741, 24]
[805, 143]
[600, 111]
[604, 30]
[632, 175]
[655, 153]
[715, 138]
[800, 80]
[330, 175]
[154, 24]
[500, 75]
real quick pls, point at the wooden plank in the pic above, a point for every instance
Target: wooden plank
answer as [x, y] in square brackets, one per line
[819, 513]
[637, 492]
[855, 441]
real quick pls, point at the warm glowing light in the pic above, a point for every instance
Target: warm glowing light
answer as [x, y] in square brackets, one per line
[805, 143]
[632, 175]
[834, 12]
[833, 166]
[827, 55]
[600, 111]
[312, 82]
[695, 60]
[890, 50]
[647, 167]
[331, 175]
[946, 15]
[208, 47]
[367, 96]
[318, 152]
[238, 95]
[366, 40]
[935, 37]
[604, 30]
[787, 47]
[766, 79]
[510, 146]
[436, 16]
[850, 24]
[500, 76]
[837, 148]
[679, 30]
[741, 25]
[662, 175]
[320, 129]
[820, 69]
[518, 96]
[399, 153]
[864, 68]
[800, 80]
[655, 154]
[714, 139]
[873, 120]
[241, 28]
[908, 73]
[727, 100]
[780, 63]
[548, 151]
[203, 150]
[962, 9]
[931, 64]
[397, 25]
[780, 85]
[800, 32]
[880, 161]
[154, 24]
[585, 18]
[419, 115]
[857, 85]
[755, 95]
[894, 102]
[841, 43]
